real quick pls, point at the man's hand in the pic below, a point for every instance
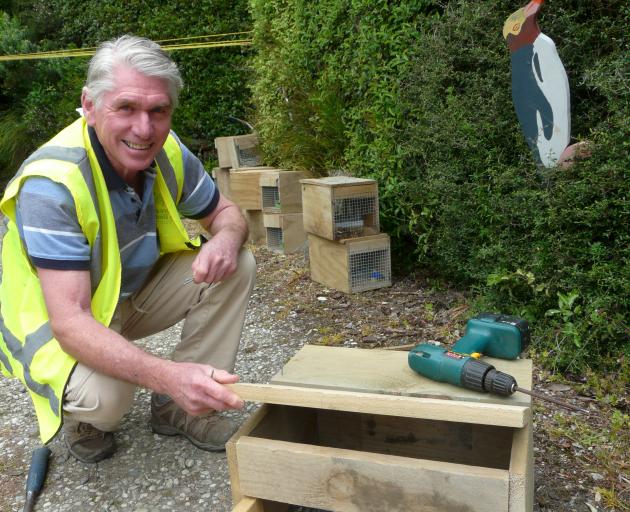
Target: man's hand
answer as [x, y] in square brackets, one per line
[198, 388]
[217, 259]
[195, 387]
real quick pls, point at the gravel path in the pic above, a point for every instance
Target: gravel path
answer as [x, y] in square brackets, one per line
[288, 310]
[149, 472]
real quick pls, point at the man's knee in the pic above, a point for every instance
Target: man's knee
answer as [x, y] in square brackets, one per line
[247, 265]
[100, 400]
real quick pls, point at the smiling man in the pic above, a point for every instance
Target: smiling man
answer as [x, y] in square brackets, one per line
[96, 256]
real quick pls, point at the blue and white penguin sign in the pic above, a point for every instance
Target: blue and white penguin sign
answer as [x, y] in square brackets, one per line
[540, 87]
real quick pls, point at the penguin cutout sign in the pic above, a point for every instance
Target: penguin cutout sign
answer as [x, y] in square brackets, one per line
[540, 88]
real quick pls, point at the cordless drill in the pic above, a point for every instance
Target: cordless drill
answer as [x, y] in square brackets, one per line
[500, 336]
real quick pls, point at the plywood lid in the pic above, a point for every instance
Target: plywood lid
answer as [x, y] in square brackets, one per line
[387, 372]
[337, 181]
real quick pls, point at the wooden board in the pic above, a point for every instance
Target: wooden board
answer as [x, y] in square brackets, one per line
[245, 188]
[389, 405]
[289, 190]
[522, 470]
[290, 226]
[347, 480]
[257, 232]
[387, 371]
[338, 181]
[222, 179]
[446, 441]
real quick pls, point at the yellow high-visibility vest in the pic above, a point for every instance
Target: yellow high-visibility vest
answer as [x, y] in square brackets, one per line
[28, 349]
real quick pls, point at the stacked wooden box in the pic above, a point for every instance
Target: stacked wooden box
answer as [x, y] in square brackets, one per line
[269, 197]
[346, 250]
[281, 200]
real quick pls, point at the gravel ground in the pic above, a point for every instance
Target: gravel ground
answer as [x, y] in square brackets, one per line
[149, 472]
[288, 310]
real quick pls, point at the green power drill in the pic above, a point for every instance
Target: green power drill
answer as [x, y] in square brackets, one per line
[500, 336]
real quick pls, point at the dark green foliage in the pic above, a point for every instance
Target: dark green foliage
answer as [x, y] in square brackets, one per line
[42, 95]
[418, 97]
[551, 245]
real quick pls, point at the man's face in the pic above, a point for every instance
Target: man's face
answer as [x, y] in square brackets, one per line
[132, 121]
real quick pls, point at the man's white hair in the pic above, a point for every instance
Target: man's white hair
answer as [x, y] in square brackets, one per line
[137, 53]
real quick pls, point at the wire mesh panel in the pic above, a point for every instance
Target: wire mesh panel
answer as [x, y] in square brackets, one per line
[270, 198]
[275, 239]
[247, 157]
[369, 269]
[352, 214]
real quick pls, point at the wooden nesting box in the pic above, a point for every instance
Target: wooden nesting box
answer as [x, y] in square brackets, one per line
[351, 265]
[354, 430]
[285, 233]
[257, 230]
[245, 186]
[281, 192]
[340, 207]
[239, 151]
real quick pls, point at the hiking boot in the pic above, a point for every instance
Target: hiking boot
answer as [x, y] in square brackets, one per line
[208, 431]
[87, 443]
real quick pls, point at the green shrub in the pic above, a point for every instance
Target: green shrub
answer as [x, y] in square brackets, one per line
[418, 97]
[49, 91]
[526, 239]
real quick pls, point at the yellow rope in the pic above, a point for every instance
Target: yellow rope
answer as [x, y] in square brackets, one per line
[86, 52]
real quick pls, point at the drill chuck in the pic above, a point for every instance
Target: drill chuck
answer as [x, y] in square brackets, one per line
[499, 383]
[480, 376]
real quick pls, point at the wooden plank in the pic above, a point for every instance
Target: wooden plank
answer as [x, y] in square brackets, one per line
[461, 443]
[387, 371]
[293, 232]
[288, 188]
[272, 220]
[317, 210]
[257, 232]
[346, 480]
[222, 179]
[245, 188]
[230, 449]
[247, 504]
[338, 181]
[522, 471]
[328, 263]
[389, 405]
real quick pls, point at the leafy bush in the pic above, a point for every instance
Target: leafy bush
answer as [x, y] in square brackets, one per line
[49, 91]
[418, 97]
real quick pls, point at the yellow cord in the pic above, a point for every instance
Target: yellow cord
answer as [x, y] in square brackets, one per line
[86, 52]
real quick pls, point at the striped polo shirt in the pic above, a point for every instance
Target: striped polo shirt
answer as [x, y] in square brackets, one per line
[48, 224]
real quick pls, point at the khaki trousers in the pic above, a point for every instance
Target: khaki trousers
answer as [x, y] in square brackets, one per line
[213, 317]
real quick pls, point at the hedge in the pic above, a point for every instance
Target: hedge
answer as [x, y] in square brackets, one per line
[418, 97]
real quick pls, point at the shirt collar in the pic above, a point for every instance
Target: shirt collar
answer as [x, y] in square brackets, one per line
[112, 179]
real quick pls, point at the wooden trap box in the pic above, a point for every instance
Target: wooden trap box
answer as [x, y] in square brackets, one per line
[281, 191]
[238, 151]
[351, 265]
[340, 207]
[284, 232]
[354, 430]
[244, 186]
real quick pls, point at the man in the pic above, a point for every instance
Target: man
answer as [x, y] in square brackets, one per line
[96, 255]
